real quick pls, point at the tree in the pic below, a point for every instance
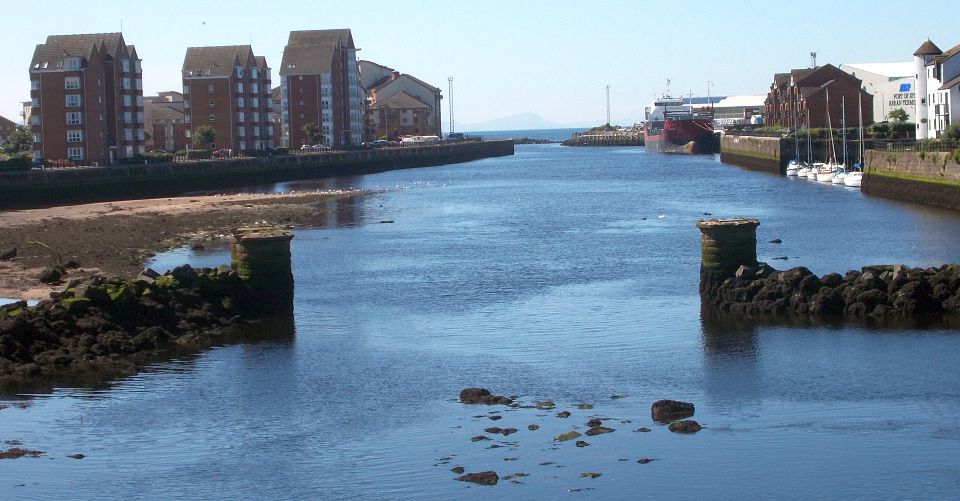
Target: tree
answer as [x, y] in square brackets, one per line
[898, 115]
[204, 135]
[953, 132]
[20, 142]
[312, 133]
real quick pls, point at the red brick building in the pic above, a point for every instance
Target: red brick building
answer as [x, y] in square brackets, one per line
[86, 99]
[793, 94]
[320, 85]
[228, 88]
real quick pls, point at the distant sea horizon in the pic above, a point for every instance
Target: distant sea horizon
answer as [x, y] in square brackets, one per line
[558, 134]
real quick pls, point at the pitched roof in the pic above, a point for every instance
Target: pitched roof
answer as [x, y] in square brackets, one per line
[216, 61]
[59, 47]
[889, 70]
[167, 113]
[928, 49]
[322, 37]
[400, 100]
[952, 83]
[948, 54]
[307, 59]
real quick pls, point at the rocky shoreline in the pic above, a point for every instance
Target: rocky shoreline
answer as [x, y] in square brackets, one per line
[893, 292]
[98, 328]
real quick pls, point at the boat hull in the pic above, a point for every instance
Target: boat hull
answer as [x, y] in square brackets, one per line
[690, 136]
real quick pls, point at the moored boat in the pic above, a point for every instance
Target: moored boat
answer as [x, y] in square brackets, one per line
[672, 127]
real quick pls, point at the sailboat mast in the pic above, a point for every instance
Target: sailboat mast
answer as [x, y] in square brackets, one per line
[833, 147]
[843, 126]
[860, 126]
[809, 143]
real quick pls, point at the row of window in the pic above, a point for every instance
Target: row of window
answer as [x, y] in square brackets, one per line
[254, 72]
[125, 83]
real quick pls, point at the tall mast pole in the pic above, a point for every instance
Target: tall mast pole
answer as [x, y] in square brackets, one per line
[450, 101]
[608, 105]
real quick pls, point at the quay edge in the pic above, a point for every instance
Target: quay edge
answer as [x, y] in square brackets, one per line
[20, 190]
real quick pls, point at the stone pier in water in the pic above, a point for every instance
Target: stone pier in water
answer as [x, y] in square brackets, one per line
[261, 258]
[734, 283]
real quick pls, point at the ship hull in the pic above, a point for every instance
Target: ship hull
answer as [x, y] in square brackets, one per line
[691, 136]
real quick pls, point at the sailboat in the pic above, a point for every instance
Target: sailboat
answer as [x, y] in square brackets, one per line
[855, 178]
[825, 173]
[841, 172]
[805, 168]
[793, 167]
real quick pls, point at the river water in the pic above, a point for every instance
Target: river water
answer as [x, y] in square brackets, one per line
[558, 273]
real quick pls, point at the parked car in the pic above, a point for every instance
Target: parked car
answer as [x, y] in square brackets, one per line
[316, 147]
[379, 143]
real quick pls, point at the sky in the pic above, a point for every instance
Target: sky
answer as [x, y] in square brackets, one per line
[552, 59]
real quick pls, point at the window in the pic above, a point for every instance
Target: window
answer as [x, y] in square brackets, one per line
[74, 136]
[139, 84]
[241, 131]
[210, 89]
[213, 118]
[127, 117]
[240, 117]
[125, 65]
[254, 73]
[186, 103]
[138, 116]
[75, 154]
[70, 83]
[186, 90]
[239, 72]
[140, 135]
[240, 102]
[186, 119]
[74, 118]
[254, 88]
[73, 100]
[211, 103]
[256, 131]
[128, 134]
[136, 67]
[239, 86]
[35, 102]
[34, 84]
[255, 116]
[270, 130]
[72, 64]
[255, 102]
[127, 100]
[125, 83]
[140, 101]
[37, 138]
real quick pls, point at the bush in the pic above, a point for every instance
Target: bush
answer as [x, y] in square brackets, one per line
[198, 154]
[181, 153]
[15, 163]
[281, 151]
[159, 157]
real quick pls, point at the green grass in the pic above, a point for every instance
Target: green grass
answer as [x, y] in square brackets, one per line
[909, 177]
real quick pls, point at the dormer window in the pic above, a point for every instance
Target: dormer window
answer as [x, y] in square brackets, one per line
[239, 72]
[72, 63]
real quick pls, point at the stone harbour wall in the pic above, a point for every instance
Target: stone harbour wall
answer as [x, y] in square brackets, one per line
[38, 188]
[755, 152]
[931, 178]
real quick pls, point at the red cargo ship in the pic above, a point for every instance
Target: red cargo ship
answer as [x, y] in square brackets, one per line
[674, 128]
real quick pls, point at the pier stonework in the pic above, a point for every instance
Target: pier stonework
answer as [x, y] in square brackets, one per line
[725, 245]
[261, 257]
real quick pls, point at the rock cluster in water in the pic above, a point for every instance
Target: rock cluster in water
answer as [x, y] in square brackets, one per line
[100, 324]
[874, 291]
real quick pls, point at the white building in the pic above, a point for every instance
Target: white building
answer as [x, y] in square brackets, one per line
[938, 79]
[893, 86]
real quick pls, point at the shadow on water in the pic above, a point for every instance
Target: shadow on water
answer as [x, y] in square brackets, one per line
[107, 374]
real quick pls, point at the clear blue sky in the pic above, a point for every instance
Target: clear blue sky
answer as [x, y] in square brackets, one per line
[553, 58]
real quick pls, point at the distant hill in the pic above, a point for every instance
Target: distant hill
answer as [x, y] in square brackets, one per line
[523, 121]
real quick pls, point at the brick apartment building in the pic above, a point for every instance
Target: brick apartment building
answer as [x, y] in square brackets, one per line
[320, 84]
[228, 88]
[399, 104]
[86, 99]
[164, 118]
[793, 94]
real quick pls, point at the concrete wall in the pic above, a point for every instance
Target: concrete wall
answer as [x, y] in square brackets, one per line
[931, 165]
[754, 152]
[37, 188]
[886, 171]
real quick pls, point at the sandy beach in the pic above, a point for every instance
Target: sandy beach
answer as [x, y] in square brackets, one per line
[116, 237]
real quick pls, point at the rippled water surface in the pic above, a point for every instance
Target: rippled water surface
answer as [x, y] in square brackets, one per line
[557, 273]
